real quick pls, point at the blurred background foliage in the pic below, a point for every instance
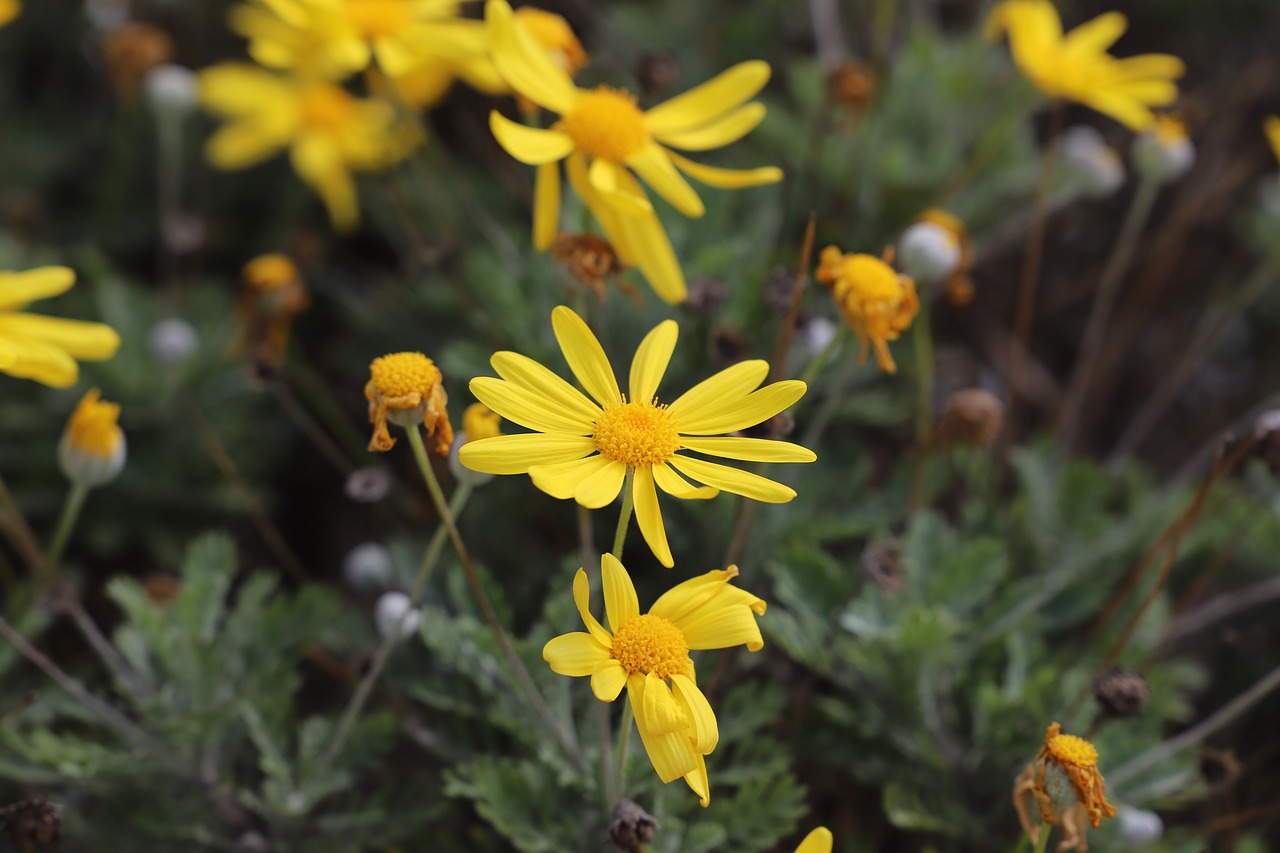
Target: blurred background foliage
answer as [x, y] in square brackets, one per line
[913, 655]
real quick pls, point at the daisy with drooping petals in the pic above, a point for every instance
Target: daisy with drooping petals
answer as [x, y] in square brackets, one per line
[46, 348]
[583, 447]
[818, 841]
[1067, 786]
[1077, 67]
[649, 655]
[609, 141]
[878, 303]
[329, 132]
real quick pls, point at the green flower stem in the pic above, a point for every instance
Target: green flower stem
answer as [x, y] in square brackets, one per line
[835, 394]
[624, 742]
[430, 557]
[1043, 844]
[624, 518]
[820, 360]
[922, 338]
[539, 705]
[66, 524]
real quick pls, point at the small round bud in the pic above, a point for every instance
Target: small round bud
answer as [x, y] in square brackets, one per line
[972, 417]
[928, 252]
[368, 566]
[368, 485]
[815, 336]
[1121, 692]
[173, 340]
[395, 615]
[92, 451]
[632, 827]
[1091, 166]
[170, 87]
[1164, 152]
[851, 85]
[1139, 827]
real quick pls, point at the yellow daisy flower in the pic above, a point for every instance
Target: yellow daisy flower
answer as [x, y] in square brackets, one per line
[878, 303]
[336, 38]
[1067, 786]
[606, 138]
[1272, 128]
[329, 132]
[9, 9]
[649, 655]
[46, 348]
[583, 447]
[1077, 67]
[818, 841]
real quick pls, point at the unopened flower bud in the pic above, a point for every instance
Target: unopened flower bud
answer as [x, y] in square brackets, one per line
[478, 422]
[1092, 166]
[1121, 692]
[368, 566]
[395, 615]
[92, 451]
[851, 85]
[928, 252]
[632, 827]
[173, 340]
[1139, 827]
[1164, 152]
[170, 87]
[972, 417]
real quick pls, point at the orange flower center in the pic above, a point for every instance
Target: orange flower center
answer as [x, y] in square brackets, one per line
[606, 123]
[93, 428]
[326, 107]
[1073, 751]
[378, 18]
[401, 374]
[637, 434]
[649, 643]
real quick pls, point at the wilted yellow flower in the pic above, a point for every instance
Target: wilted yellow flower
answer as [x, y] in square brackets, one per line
[46, 348]
[1272, 128]
[329, 132]
[1077, 67]
[1067, 786]
[9, 9]
[273, 296]
[606, 138]
[818, 841]
[649, 655]
[92, 451]
[479, 421]
[877, 302]
[555, 35]
[583, 447]
[406, 388]
[336, 38]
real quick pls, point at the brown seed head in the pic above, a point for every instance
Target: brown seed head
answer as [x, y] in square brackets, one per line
[130, 51]
[632, 827]
[971, 418]
[1121, 692]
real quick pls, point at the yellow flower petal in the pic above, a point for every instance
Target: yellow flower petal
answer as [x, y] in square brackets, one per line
[686, 598]
[649, 516]
[608, 680]
[602, 487]
[662, 713]
[516, 454]
[620, 602]
[723, 131]
[606, 179]
[749, 449]
[723, 628]
[585, 356]
[561, 480]
[651, 360]
[672, 755]
[741, 413]
[818, 841]
[653, 164]
[1271, 127]
[528, 408]
[530, 145]
[30, 359]
[699, 783]
[527, 67]
[321, 164]
[543, 382]
[726, 179]
[648, 242]
[703, 104]
[546, 206]
[733, 480]
[19, 289]
[240, 89]
[575, 654]
[79, 339]
[582, 598]
[678, 487]
[242, 144]
[696, 708]
[1097, 35]
[609, 218]
[724, 389]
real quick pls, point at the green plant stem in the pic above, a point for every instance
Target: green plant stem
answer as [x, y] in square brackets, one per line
[922, 338]
[1043, 843]
[66, 524]
[1194, 735]
[430, 557]
[624, 743]
[525, 681]
[1095, 330]
[835, 392]
[820, 360]
[624, 517]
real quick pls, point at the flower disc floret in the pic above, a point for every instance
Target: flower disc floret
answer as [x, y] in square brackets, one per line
[405, 388]
[327, 107]
[1072, 750]
[93, 427]
[403, 373]
[637, 434]
[651, 644]
[605, 122]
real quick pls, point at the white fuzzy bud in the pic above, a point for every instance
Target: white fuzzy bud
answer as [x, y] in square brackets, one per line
[368, 566]
[171, 87]
[928, 252]
[1164, 153]
[173, 340]
[395, 610]
[1139, 827]
[86, 468]
[1092, 166]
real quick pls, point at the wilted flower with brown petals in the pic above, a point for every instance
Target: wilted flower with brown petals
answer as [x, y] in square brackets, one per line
[406, 388]
[1067, 786]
